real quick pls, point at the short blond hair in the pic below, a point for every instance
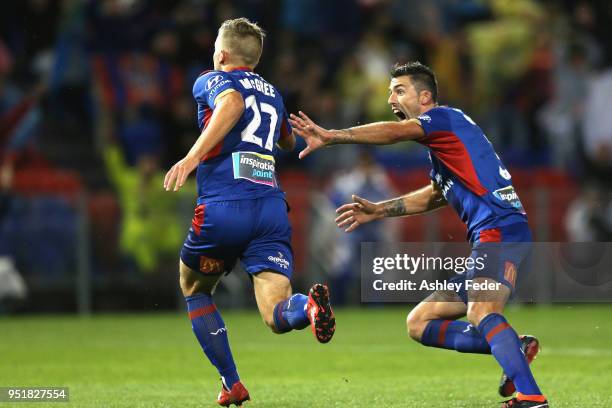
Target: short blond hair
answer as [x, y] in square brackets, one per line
[243, 39]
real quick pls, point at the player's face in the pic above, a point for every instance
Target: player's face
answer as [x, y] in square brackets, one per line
[403, 98]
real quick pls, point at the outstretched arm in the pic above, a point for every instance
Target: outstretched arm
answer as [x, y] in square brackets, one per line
[379, 133]
[362, 211]
[229, 108]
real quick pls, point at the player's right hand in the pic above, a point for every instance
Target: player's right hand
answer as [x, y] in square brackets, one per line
[359, 212]
[179, 172]
[314, 135]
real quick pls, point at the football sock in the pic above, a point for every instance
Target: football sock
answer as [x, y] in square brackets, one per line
[291, 314]
[506, 348]
[455, 335]
[210, 331]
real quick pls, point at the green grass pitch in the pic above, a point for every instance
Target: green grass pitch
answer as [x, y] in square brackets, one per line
[154, 361]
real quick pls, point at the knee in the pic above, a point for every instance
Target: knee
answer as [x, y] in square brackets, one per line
[188, 287]
[415, 325]
[192, 284]
[479, 310]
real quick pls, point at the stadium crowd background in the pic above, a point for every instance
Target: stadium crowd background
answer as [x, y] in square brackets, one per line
[95, 105]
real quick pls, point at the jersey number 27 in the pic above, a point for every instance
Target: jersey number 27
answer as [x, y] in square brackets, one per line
[248, 134]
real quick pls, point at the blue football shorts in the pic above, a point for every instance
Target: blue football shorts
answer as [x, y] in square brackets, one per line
[501, 252]
[256, 231]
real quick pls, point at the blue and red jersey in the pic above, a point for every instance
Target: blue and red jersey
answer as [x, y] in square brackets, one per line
[242, 165]
[470, 174]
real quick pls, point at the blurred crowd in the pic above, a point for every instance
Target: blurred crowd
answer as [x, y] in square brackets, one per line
[103, 88]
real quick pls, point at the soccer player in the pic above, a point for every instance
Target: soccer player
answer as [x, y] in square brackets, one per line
[468, 175]
[241, 211]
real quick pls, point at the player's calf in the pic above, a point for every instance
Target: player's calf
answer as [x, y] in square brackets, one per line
[507, 348]
[432, 323]
[290, 314]
[207, 323]
[531, 347]
[280, 311]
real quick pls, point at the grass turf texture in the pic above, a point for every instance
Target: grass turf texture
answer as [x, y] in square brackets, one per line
[154, 361]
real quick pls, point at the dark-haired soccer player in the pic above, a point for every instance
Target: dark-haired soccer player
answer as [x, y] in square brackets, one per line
[241, 211]
[468, 175]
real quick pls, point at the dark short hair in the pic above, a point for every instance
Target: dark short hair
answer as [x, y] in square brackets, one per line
[422, 77]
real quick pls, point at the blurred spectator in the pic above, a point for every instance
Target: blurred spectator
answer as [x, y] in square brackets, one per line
[597, 128]
[508, 56]
[589, 217]
[125, 68]
[152, 225]
[368, 180]
[562, 116]
[20, 117]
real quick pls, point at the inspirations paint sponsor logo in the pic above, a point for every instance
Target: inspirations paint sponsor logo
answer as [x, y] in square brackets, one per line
[255, 167]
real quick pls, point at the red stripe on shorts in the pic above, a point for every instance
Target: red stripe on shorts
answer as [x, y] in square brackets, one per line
[490, 235]
[198, 219]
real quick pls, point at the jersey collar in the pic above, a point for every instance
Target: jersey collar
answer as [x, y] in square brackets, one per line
[244, 68]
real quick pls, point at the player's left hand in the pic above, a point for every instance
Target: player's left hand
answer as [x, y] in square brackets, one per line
[179, 173]
[359, 212]
[314, 135]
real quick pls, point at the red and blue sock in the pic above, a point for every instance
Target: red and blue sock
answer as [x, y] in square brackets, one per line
[211, 332]
[290, 314]
[506, 348]
[455, 335]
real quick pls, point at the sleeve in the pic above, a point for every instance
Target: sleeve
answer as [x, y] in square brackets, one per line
[285, 129]
[211, 86]
[435, 120]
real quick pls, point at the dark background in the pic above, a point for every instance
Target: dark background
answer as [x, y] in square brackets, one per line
[96, 104]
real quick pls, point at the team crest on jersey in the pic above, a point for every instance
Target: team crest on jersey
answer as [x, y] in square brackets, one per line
[212, 82]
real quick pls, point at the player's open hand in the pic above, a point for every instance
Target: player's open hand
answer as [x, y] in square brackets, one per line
[179, 173]
[314, 135]
[359, 212]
